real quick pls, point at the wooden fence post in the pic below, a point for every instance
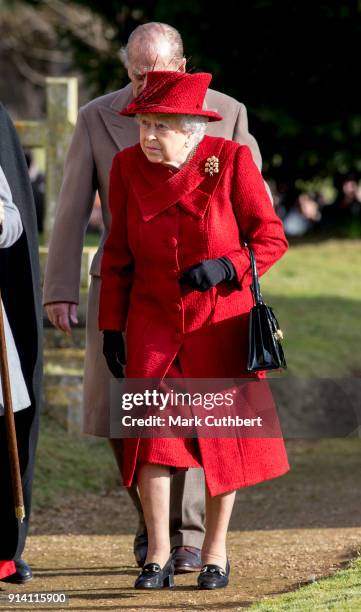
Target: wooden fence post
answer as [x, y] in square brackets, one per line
[62, 109]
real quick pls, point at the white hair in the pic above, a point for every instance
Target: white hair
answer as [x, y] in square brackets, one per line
[154, 39]
[193, 125]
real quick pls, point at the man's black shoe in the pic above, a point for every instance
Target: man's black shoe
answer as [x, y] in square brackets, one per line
[23, 573]
[186, 559]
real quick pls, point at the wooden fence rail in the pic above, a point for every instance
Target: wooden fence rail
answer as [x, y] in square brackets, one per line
[54, 135]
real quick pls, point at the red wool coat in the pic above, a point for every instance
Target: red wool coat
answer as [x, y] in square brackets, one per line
[163, 222]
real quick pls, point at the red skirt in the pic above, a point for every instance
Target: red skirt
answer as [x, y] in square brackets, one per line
[228, 463]
[181, 453]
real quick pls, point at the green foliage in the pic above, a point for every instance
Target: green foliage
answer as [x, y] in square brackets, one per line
[294, 64]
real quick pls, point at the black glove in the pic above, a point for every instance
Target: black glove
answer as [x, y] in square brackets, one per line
[208, 274]
[114, 352]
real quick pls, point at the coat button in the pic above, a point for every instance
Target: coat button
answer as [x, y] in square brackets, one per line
[177, 307]
[172, 210]
[174, 273]
[172, 242]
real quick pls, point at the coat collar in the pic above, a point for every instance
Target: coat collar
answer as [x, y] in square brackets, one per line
[122, 98]
[190, 187]
[123, 130]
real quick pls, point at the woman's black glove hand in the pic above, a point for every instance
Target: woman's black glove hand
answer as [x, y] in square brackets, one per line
[114, 352]
[208, 274]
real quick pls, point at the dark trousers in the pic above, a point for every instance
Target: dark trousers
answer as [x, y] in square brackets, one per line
[12, 532]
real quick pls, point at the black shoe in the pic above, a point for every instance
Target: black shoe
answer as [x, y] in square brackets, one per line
[140, 548]
[23, 573]
[153, 577]
[186, 559]
[213, 577]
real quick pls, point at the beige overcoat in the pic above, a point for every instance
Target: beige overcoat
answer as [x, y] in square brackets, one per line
[99, 134]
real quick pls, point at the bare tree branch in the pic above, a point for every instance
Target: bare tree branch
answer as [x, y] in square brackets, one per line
[83, 24]
[26, 71]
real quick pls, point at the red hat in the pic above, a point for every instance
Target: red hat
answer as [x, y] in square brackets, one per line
[172, 93]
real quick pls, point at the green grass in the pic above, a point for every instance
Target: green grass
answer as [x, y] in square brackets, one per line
[70, 464]
[324, 269]
[341, 592]
[315, 291]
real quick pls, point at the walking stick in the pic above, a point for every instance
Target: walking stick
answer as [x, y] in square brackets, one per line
[10, 425]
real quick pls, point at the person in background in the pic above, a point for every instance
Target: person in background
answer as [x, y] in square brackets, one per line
[12, 232]
[348, 202]
[304, 217]
[20, 290]
[345, 211]
[37, 179]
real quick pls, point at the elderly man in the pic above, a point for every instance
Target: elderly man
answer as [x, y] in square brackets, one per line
[100, 132]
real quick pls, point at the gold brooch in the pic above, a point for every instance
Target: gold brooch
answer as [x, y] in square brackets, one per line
[212, 165]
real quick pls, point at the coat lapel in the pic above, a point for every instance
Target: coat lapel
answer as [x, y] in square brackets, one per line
[190, 187]
[123, 130]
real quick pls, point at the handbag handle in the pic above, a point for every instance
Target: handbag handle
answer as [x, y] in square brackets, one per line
[255, 279]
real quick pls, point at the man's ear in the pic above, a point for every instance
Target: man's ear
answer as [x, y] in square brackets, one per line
[182, 65]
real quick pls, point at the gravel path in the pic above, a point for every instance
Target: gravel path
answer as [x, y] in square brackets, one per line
[283, 533]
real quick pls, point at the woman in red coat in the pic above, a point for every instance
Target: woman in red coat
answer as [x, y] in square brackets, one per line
[176, 277]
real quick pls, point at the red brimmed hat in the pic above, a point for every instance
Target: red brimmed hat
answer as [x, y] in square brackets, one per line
[173, 93]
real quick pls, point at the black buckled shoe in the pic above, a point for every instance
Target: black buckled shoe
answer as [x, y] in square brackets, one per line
[213, 577]
[23, 573]
[153, 577]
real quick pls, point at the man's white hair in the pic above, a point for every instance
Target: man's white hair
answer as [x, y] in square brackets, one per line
[154, 39]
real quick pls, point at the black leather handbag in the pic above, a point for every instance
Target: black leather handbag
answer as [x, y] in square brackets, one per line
[265, 351]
